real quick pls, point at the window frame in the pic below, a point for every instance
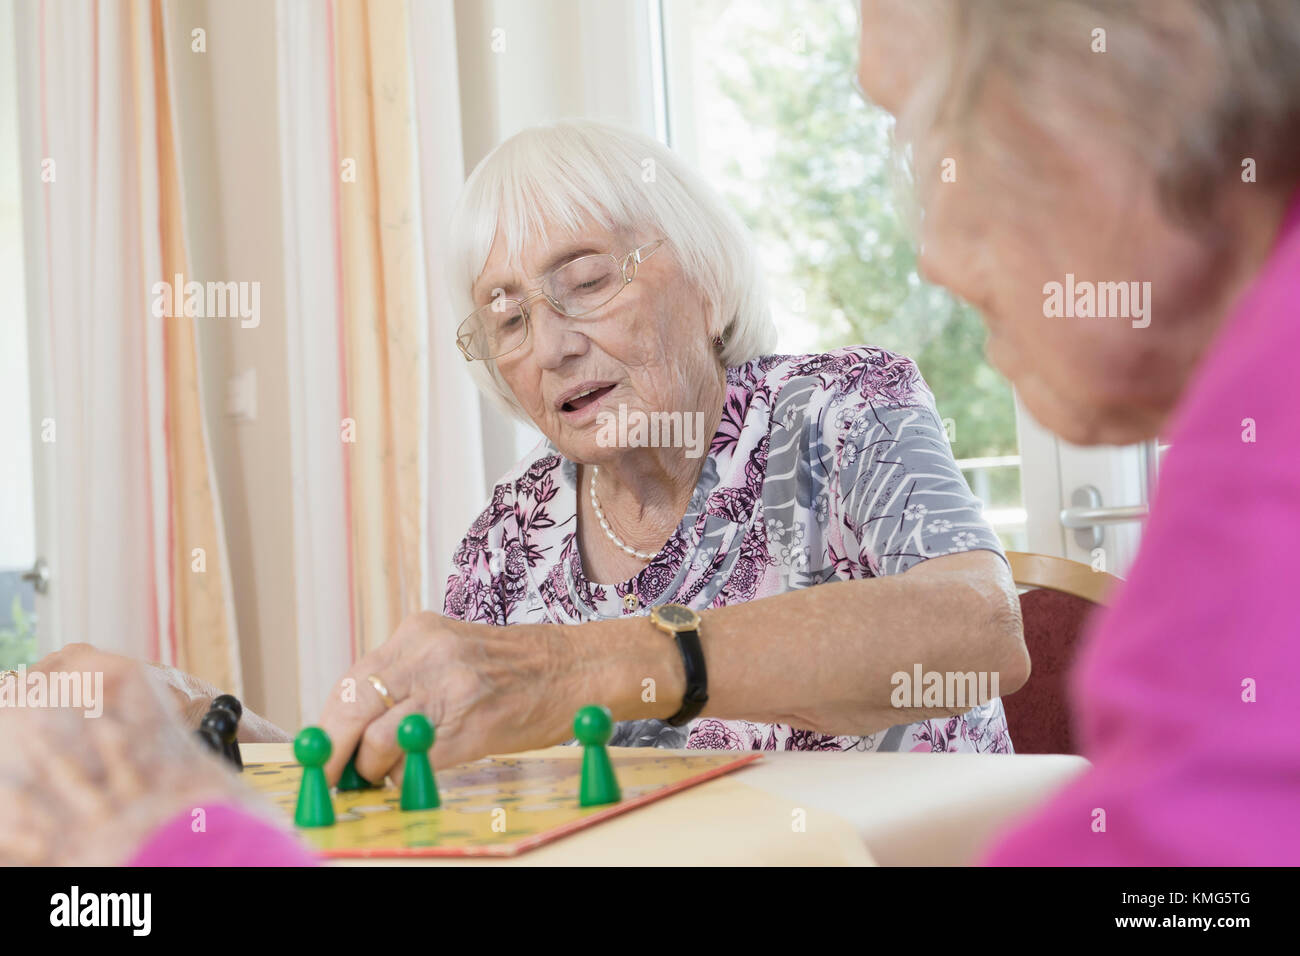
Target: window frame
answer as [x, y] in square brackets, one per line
[1050, 469]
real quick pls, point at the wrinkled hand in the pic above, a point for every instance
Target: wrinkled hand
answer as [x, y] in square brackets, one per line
[192, 696]
[83, 790]
[486, 689]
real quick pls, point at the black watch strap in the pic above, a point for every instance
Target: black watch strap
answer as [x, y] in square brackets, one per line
[697, 678]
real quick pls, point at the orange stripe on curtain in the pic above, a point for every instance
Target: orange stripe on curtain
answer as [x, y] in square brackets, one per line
[341, 329]
[199, 632]
[379, 222]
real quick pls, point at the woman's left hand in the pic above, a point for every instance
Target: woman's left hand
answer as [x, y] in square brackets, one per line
[485, 689]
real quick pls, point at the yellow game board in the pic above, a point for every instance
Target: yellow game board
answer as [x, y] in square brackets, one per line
[497, 806]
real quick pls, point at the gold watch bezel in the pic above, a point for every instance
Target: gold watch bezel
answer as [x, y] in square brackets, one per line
[668, 626]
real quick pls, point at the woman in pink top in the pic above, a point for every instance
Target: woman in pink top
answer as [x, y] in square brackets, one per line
[1157, 145]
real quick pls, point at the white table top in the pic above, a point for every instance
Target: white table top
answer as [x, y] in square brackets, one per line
[918, 809]
[911, 809]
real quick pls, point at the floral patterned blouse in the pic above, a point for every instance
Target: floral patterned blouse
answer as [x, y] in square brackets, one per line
[824, 468]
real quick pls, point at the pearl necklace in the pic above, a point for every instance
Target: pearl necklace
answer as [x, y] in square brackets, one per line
[609, 532]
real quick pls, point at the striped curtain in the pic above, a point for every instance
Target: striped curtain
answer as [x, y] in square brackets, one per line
[370, 165]
[131, 522]
[383, 324]
[384, 446]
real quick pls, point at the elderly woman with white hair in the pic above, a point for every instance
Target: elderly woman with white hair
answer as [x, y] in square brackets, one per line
[726, 547]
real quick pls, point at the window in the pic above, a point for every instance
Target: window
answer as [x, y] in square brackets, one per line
[17, 512]
[760, 98]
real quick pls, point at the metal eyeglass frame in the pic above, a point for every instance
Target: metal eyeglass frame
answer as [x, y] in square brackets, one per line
[632, 260]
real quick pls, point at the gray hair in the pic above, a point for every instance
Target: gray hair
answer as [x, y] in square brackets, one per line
[552, 176]
[1191, 87]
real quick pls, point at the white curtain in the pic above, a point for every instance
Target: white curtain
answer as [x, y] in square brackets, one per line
[459, 491]
[320, 545]
[128, 516]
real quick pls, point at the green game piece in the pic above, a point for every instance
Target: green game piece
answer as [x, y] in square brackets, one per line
[593, 726]
[312, 748]
[351, 780]
[415, 736]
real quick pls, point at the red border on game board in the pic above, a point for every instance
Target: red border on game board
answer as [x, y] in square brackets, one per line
[531, 843]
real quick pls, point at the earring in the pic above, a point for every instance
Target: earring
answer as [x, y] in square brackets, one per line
[718, 343]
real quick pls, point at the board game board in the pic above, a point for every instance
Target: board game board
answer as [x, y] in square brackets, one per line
[497, 806]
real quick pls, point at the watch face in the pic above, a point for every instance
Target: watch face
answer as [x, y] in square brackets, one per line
[679, 617]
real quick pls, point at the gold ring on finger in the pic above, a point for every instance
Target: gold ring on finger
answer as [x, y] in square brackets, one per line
[382, 691]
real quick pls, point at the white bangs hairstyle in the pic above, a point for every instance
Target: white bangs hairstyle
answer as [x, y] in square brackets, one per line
[553, 176]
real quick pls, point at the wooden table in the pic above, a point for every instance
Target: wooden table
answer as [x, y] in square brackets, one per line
[808, 808]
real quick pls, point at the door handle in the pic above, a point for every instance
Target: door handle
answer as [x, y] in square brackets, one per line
[1087, 517]
[39, 576]
[1076, 518]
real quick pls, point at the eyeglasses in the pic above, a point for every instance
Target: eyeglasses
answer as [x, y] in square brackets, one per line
[577, 288]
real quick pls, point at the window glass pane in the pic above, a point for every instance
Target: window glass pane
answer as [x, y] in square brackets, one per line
[772, 118]
[17, 540]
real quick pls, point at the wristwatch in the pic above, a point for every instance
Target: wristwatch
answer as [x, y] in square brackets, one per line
[684, 625]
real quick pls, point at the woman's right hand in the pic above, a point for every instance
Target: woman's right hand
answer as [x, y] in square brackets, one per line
[77, 789]
[191, 695]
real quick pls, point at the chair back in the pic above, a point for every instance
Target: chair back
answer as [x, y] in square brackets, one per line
[1062, 596]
